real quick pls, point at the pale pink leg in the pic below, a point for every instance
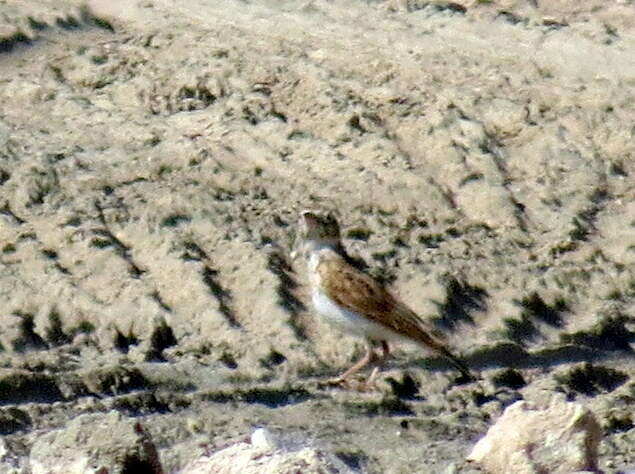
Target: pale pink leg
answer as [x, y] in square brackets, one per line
[385, 352]
[368, 358]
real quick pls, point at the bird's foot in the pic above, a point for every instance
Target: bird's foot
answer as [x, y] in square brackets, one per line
[333, 382]
[357, 384]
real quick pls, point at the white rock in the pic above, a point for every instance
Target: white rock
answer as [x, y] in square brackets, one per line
[563, 438]
[264, 455]
[3, 448]
[264, 439]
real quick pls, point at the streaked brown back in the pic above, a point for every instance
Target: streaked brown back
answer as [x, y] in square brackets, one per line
[356, 291]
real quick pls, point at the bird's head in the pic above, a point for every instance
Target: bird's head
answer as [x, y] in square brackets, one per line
[318, 230]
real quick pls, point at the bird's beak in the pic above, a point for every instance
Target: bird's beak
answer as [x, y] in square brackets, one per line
[297, 249]
[309, 220]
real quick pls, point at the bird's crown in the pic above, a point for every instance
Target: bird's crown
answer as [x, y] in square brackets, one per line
[319, 226]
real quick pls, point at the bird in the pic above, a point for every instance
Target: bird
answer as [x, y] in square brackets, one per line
[357, 303]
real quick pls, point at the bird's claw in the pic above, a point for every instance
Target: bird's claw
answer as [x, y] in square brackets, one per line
[350, 383]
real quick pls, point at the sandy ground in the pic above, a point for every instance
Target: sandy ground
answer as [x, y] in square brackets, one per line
[154, 156]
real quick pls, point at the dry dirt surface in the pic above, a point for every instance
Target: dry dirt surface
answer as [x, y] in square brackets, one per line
[154, 156]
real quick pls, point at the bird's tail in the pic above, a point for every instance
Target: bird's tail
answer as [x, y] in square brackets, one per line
[422, 332]
[457, 363]
[440, 348]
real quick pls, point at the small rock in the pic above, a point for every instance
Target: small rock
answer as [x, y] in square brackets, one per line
[264, 453]
[263, 439]
[96, 443]
[562, 438]
[3, 448]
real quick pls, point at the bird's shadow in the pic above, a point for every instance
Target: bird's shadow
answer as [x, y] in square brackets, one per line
[512, 355]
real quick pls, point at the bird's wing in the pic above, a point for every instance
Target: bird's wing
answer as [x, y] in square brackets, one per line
[359, 292]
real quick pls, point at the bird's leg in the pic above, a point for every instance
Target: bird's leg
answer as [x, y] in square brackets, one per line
[385, 352]
[368, 358]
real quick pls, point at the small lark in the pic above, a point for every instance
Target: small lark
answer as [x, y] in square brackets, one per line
[357, 303]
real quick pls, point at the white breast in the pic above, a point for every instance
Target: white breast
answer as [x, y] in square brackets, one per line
[349, 321]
